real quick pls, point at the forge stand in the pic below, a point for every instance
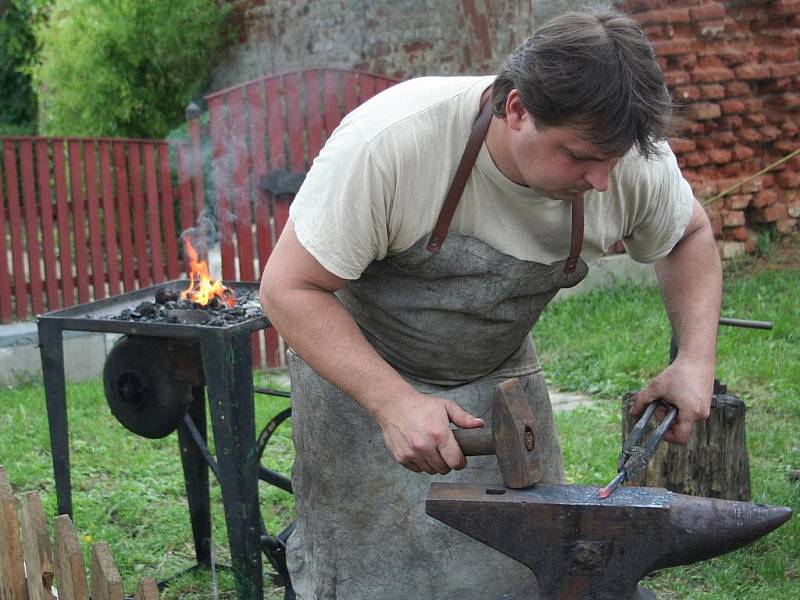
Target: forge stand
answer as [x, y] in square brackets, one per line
[226, 358]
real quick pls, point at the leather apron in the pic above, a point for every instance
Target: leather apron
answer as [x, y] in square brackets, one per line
[454, 319]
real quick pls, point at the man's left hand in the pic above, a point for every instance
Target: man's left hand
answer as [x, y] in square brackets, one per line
[688, 386]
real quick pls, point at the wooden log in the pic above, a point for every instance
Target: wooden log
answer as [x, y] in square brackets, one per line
[36, 549]
[12, 570]
[147, 590]
[713, 464]
[69, 566]
[106, 582]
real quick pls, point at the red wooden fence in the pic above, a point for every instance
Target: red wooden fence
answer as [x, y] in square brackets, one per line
[82, 219]
[276, 123]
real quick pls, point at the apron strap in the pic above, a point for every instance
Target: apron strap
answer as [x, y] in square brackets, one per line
[576, 241]
[474, 144]
[473, 147]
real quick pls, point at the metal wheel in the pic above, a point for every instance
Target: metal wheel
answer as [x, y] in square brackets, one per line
[274, 546]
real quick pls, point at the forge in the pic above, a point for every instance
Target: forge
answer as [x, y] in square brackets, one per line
[583, 548]
[172, 354]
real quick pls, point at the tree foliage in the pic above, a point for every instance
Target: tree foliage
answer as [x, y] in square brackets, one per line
[125, 67]
[17, 53]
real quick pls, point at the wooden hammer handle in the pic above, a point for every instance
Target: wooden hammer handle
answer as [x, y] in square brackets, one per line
[475, 442]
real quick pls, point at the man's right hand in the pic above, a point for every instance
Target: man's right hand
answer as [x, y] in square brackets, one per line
[416, 429]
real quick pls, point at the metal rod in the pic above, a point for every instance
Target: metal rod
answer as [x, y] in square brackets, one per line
[198, 440]
[745, 323]
[276, 479]
[272, 392]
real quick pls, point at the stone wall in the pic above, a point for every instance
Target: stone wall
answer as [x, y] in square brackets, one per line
[399, 38]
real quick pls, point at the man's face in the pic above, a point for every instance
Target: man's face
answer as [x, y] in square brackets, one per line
[556, 161]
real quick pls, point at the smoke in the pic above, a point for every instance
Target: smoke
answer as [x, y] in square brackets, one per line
[202, 236]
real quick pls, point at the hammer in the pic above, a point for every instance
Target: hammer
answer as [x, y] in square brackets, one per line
[511, 437]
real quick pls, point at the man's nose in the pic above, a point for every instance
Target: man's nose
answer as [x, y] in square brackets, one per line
[597, 175]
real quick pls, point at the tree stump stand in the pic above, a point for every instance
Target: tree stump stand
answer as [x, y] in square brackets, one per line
[713, 464]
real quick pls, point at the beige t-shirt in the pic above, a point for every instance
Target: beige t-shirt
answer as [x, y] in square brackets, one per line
[379, 183]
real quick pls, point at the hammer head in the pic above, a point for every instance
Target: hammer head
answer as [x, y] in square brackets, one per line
[513, 430]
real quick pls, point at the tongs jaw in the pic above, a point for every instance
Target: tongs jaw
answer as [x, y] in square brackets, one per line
[634, 457]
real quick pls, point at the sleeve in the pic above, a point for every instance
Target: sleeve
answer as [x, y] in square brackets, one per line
[340, 212]
[663, 202]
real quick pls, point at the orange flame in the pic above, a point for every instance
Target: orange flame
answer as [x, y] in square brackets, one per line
[201, 288]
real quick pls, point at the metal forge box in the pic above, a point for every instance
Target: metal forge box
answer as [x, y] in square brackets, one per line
[195, 356]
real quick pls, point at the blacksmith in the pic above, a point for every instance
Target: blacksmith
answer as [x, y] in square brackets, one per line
[397, 334]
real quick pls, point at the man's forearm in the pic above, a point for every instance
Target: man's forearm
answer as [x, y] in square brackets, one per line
[319, 328]
[691, 285]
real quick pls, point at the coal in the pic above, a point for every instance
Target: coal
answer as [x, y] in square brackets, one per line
[167, 294]
[169, 308]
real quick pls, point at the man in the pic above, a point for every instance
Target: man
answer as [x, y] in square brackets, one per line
[397, 334]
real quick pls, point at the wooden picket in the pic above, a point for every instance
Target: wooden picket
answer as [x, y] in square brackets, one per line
[29, 565]
[85, 218]
[12, 573]
[272, 124]
[48, 239]
[15, 229]
[6, 313]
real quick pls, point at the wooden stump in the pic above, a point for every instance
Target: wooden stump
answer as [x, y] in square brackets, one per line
[713, 464]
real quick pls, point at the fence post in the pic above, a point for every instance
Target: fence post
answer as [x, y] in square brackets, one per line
[106, 582]
[36, 548]
[12, 571]
[70, 568]
[198, 184]
[147, 590]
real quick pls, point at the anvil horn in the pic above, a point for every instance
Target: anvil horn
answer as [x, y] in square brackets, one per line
[582, 547]
[705, 527]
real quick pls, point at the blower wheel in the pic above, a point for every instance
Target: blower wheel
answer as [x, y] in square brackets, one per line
[141, 389]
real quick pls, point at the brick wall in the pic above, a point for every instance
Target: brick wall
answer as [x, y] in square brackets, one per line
[734, 67]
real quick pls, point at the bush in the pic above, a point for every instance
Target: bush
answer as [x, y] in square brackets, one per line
[17, 54]
[125, 67]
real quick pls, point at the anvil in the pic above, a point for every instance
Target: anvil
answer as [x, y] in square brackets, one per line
[584, 548]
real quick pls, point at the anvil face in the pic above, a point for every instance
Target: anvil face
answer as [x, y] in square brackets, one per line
[581, 547]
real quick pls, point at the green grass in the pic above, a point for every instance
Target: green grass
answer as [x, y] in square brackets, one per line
[129, 490]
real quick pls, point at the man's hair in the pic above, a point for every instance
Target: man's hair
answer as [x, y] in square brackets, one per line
[594, 70]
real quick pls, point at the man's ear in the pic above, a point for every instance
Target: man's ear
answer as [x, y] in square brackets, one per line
[515, 111]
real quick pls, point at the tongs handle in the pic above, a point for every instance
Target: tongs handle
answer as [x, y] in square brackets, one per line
[654, 440]
[634, 456]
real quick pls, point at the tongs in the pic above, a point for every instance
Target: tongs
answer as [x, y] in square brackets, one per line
[634, 457]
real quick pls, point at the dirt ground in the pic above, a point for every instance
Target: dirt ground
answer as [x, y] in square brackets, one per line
[782, 254]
